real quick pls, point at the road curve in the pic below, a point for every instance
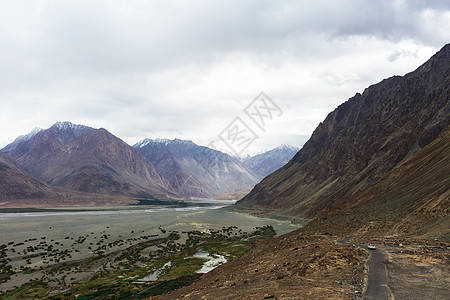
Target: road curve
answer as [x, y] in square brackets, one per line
[377, 283]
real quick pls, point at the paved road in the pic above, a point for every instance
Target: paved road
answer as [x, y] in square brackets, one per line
[377, 284]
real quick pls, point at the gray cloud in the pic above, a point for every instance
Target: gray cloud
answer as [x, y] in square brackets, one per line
[186, 69]
[398, 54]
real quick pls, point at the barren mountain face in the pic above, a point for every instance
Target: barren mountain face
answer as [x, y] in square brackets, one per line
[361, 141]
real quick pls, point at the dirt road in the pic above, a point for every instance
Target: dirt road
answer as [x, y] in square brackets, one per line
[377, 284]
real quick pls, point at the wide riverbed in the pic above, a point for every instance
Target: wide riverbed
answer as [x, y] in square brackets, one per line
[125, 222]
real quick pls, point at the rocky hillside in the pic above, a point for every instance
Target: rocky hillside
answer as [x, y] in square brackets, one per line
[268, 162]
[196, 171]
[412, 201]
[80, 158]
[360, 142]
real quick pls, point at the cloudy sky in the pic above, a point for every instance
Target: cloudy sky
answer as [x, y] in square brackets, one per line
[187, 69]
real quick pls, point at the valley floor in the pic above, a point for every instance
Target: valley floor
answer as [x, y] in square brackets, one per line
[109, 261]
[117, 253]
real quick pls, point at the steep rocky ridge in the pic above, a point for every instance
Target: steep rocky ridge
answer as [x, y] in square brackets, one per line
[360, 142]
[412, 201]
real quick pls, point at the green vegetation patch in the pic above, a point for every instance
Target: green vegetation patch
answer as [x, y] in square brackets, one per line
[119, 274]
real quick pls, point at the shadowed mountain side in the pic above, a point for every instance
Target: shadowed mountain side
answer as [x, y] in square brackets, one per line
[412, 201]
[19, 188]
[17, 183]
[360, 142]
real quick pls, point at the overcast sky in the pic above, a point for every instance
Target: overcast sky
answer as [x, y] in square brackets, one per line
[187, 69]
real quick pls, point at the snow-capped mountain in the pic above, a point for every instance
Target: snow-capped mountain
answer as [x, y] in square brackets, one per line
[267, 162]
[160, 141]
[196, 171]
[82, 158]
[22, 138]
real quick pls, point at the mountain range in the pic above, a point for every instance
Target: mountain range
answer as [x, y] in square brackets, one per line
[19, 188]
[196, 171]
[79, 158]
[377, 168]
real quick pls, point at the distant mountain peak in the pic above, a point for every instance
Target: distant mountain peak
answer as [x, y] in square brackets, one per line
[66, 125]
[84, 159]
[29, 135]
[66, 131]
[22, 138]
[287, 147]
[196, 171]
[267, 162]
[142, 143]
[161, 141]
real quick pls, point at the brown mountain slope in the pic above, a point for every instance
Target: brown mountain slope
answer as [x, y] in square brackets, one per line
[89, 160]
[19, 188]
[412, 201]
[360, 142]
